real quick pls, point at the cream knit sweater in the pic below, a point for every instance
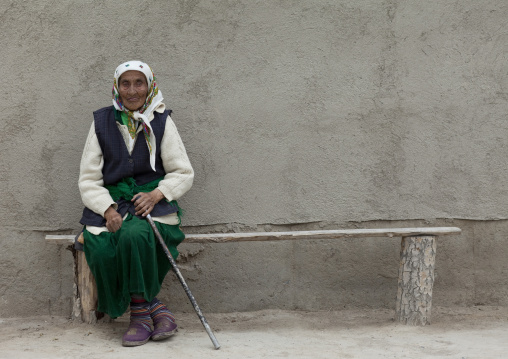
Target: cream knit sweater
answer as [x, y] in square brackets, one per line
[177, 181]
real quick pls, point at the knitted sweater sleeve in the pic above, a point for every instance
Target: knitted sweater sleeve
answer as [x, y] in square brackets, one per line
[179, 173]
[91, 185]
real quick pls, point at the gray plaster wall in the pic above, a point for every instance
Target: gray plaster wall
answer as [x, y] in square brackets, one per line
[296, 115]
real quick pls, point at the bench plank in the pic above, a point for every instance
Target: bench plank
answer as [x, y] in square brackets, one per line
[292, 235]
[323, 234]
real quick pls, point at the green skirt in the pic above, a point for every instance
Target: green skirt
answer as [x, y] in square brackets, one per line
[129, 261]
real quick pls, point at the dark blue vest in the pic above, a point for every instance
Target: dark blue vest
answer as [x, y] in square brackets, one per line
[119, 164]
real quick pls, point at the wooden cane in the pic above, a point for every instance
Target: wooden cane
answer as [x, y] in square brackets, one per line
[182, 281]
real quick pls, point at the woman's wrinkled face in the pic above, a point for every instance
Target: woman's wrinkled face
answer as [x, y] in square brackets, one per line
[133, 89]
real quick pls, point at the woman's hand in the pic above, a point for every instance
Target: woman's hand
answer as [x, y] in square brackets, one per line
[113, 220]
[145, 201]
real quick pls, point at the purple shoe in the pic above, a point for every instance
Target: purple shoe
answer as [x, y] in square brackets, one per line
[136, 334]
[163, 328]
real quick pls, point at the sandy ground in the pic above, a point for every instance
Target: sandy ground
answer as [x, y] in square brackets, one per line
[478, 332]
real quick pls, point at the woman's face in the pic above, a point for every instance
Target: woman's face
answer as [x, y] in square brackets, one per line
[133, 89]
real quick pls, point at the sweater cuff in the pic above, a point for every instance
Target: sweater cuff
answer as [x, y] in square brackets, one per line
[103, 207]
[165, 192]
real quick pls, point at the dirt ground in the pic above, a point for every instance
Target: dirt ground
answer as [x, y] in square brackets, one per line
[478, 332]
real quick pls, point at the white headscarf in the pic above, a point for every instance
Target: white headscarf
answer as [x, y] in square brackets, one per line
[153, 100]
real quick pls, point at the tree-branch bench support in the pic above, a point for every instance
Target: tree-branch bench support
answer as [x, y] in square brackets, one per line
[416, 269]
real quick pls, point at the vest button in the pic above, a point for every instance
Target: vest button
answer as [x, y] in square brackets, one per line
[131, 160]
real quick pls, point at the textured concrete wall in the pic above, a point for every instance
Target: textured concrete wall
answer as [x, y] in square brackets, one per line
[296, 115]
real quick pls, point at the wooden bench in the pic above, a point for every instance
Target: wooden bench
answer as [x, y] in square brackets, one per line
[416, 269]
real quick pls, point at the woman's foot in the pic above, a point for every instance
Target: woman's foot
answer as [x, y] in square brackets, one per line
[140, 327]
[163, 320]
[136, 335]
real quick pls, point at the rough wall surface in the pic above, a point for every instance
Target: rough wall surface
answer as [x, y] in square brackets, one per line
[296, 115]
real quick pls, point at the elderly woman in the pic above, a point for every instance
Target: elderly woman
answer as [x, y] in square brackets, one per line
[134, 164]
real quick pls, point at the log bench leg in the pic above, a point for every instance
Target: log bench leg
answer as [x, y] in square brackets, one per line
[85, 290]
[416, 279]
